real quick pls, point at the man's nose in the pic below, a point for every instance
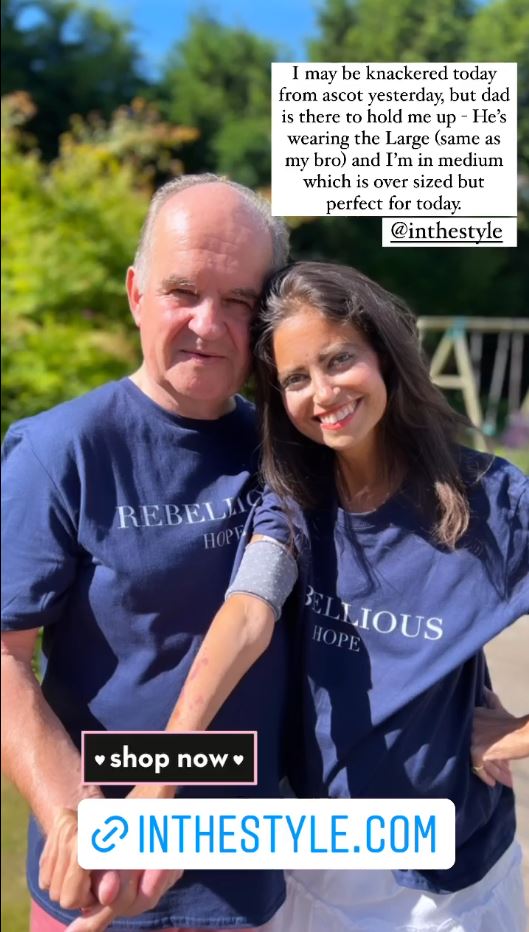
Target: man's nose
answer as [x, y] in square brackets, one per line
[206, 320]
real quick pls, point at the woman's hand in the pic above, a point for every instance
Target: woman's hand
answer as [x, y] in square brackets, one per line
[497, 738]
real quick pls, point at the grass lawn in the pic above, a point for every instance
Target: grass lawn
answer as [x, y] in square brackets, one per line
[15, 899]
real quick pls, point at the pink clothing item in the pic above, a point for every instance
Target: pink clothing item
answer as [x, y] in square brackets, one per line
[41, 921]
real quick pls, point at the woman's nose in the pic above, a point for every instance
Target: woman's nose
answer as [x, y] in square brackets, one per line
[324, 390]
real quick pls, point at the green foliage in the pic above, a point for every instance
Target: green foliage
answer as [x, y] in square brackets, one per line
[71, 229]
[218, 79]
[450, 281]
[15, 897]
[48, 361]
[403, 30]
[500, 32]
[71, 59]
[440, 30]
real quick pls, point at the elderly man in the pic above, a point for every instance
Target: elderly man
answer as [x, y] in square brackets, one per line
[123, 509]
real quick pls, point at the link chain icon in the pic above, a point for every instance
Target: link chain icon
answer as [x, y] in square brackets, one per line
[101, 844]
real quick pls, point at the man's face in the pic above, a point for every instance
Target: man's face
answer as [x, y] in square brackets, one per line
[209, 255]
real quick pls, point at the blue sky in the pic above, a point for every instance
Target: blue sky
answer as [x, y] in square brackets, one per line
[159, 23]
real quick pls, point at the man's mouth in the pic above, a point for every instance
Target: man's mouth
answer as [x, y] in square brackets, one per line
[199, 355]
[340, 417]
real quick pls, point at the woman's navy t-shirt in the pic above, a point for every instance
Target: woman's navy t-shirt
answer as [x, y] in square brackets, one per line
[390, 640]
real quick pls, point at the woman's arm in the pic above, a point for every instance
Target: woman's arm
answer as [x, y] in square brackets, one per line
[498, 735]
[240, 632]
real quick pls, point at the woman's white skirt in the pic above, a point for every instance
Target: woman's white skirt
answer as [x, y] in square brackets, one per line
[372, 901]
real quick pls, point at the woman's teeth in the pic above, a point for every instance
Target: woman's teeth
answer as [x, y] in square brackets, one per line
[339, 415]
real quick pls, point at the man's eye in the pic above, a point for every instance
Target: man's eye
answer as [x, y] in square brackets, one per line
[183, 293]
[244, 304]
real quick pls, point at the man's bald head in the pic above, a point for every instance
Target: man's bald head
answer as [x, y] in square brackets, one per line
[237, 198]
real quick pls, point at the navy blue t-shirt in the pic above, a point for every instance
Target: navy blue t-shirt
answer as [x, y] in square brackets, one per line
[121, 524]
[390, 640]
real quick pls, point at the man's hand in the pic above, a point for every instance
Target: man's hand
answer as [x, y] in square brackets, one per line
[152, 791]
[138, 891]
[497, 738]
[59, 873]
[103, 895]
[67, 883]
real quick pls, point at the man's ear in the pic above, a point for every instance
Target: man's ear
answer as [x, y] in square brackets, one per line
[134, 294]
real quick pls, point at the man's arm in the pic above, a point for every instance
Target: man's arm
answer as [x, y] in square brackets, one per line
[45, 766]
[240, 632]
[37, 753]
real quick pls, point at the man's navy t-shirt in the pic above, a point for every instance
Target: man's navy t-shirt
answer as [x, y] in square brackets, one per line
[390, 640]
[121, 524]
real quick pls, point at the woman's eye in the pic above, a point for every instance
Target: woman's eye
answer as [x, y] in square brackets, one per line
[293, 381]
[342, 358]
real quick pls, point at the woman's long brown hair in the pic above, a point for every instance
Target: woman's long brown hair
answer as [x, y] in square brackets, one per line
[419, 429]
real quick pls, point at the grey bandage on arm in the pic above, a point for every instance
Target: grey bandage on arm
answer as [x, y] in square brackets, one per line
[268, 570]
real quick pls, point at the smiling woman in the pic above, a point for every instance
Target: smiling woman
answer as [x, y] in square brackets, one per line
[328, 338]
[334, 394]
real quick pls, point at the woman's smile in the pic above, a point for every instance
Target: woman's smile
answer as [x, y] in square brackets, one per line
[338, 418]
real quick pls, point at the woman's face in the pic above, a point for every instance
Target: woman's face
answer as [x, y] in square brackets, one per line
[332, 387]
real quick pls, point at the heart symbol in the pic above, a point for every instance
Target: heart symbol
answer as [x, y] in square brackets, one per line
[238, 758]
[99, 758]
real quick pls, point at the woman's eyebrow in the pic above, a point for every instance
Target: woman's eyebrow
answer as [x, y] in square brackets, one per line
[335, 348]
[286, 373]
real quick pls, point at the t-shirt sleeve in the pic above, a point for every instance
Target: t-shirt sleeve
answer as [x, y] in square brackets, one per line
[264, 569]
[518, 559]
[39, 538]
[282, 521]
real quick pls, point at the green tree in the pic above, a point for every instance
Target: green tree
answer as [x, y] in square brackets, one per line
[70, 230]
[500, 32]
[450, 281]
[218, 79]
[403, 30]
[70, 58]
